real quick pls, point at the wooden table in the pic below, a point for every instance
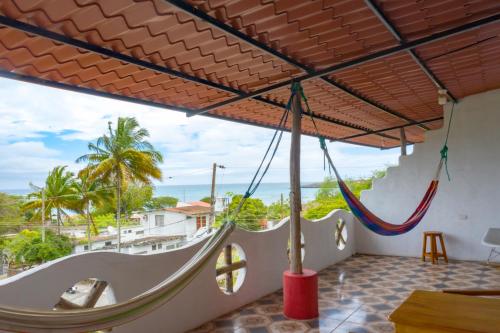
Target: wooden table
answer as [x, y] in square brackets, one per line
[437, 312]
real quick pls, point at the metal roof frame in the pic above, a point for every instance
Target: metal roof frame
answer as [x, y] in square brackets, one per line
[394, 31]
[193, 11]
[404, 46]
[88, 91]
[35, 30]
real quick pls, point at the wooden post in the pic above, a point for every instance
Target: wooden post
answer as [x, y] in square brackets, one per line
[403, 141]
[295, 197]
[212, 198]
[228, 261]
[118, 211]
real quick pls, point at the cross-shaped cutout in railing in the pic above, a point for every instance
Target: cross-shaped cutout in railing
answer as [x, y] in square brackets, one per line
[339, 237]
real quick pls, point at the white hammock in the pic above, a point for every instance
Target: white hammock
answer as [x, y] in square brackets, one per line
[32, 320]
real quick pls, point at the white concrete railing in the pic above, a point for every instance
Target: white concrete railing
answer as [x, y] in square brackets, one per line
[202, 300]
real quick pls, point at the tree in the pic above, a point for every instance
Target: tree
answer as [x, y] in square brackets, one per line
[161, 202]
[123, 156]
[251, 215]
[89, 192]
[327, 190]
[329, 198]
[135, 198]
[10, 212]
[279, 210]
[208, 200]
[60, 194]
[27, 248]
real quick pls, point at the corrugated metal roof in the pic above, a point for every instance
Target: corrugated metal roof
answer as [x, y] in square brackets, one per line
[193, 55]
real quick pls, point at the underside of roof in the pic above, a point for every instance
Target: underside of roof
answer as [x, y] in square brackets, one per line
[367, 67]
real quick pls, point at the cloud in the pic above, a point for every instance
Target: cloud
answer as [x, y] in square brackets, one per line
[43, 127]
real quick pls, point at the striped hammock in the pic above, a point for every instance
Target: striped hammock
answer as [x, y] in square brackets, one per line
[376, 224]
[366, 217]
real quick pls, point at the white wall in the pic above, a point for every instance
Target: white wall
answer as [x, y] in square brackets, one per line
[465, 207]
[202, 300]
[175, 224]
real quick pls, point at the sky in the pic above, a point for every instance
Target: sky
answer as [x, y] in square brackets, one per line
[43, 127]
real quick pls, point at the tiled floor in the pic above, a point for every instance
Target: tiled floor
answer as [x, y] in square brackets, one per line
[357, 295]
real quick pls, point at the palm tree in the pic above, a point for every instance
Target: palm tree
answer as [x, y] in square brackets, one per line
[90, 192]
[122, 156]
[59, 195]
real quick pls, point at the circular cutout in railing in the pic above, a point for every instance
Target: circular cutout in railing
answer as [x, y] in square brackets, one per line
[302, 247]
[340, 234]
[86, 294]
[231, 268]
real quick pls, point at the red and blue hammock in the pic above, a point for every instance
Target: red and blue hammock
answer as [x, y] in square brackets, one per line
[376, 224]
[365, 216]
[379, 226]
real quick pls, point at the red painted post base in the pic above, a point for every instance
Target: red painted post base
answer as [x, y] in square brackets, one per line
[300, 295]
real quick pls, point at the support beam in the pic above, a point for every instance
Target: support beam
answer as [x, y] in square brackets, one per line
[364, 59]
[34, 30]
[242, 37]
[295, 196]
[397, 35]
[56, 37]
[228, 262]
[402, 135]
[388, 129]
[103, 94]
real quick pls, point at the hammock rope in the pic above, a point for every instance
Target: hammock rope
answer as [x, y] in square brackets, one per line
[364, 215]
[275, 141]
[106, 317]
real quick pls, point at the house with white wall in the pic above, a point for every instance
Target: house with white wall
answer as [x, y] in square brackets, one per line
[164, 228]
[184, 220]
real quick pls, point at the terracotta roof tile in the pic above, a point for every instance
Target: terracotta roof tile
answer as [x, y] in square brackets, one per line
[316, 33]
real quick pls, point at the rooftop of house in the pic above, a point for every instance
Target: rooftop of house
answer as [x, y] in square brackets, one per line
[152, 239]
[190, 210]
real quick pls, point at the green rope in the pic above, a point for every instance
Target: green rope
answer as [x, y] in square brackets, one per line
[444, 150]
[297, 88]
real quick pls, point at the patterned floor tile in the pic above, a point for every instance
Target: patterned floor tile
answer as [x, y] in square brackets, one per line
[357, 296]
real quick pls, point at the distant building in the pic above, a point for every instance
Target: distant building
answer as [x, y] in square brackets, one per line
[159, 229]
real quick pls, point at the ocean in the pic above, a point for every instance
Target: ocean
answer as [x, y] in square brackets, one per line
[267, 192]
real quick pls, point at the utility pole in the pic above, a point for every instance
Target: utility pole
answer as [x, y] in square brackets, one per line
[43, 214]
[212, 195]
[88, 227]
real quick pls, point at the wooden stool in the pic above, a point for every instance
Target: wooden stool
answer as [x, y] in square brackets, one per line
[434, 254]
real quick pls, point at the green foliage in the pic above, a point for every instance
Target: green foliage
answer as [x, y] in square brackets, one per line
[379, 174]
[121, 157]
[91, 192]
[278, 210]
[251, 214]
[101, 221]
[27, 248]
[11, 215]
[60, 194]
[208, 200]
[135, 198]
[327, 189]
[329, 198]
[161, 202]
